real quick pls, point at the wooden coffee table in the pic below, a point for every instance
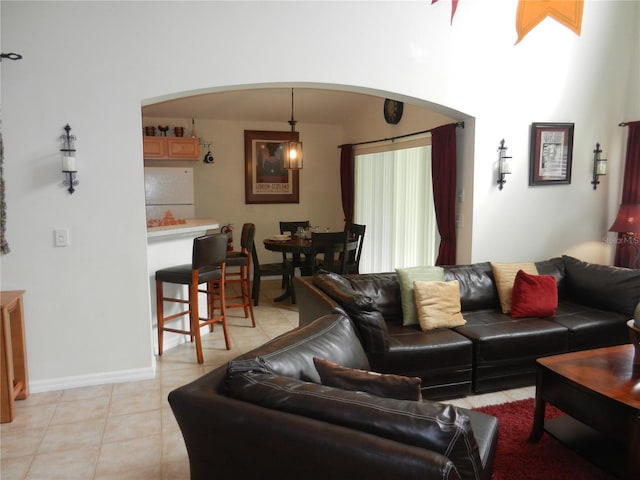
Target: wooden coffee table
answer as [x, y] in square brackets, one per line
[600, 392]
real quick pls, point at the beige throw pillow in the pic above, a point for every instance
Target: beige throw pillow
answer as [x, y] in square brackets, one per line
[504, 275]
[438, 304]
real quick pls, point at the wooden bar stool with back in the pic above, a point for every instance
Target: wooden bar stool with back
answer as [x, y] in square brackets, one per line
[207, 266]
[242, 259]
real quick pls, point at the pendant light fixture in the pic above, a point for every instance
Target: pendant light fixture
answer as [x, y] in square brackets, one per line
[292, 148]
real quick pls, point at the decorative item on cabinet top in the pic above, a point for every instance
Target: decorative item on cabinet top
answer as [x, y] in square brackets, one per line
[171, 148]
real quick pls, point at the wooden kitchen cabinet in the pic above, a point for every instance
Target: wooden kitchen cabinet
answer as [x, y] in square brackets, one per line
[171, 148]
[153, 147]
[183, 148]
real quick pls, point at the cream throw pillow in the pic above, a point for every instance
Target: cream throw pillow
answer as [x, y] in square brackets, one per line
[438, 304]
[504, 275]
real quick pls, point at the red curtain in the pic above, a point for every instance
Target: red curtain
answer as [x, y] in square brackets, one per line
[630, 190]
[443, 169]
[347, 182]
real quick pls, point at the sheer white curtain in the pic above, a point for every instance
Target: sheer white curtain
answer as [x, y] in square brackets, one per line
[394, 199]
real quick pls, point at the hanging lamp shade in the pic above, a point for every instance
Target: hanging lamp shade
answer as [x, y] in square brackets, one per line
[292, 149]
[293, 155]
[628, 219]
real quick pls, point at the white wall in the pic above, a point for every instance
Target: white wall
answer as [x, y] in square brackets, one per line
[91, 64]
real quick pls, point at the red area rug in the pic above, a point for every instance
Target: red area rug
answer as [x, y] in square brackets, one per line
[516, 459]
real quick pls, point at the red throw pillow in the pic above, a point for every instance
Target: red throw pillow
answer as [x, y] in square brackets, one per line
[534, 295]
[380, 384]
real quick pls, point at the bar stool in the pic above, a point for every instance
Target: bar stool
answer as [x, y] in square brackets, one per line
[207, 266]
[242, 259]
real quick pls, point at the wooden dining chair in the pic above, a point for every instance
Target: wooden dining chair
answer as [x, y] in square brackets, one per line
[207, 266]
[356, 234]
[331, 245]
[292, 226]
[280, 269]
[294, 258]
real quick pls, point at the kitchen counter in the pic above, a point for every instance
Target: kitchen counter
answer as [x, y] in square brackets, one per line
[190, 227]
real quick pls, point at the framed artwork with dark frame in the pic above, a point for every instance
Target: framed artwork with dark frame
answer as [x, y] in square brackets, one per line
[551, 153]
[266, 179]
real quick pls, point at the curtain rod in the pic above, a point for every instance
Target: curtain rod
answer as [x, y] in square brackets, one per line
[623, 124]
[458, 124]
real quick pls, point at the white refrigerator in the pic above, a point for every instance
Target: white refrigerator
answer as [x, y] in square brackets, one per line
[169, 195]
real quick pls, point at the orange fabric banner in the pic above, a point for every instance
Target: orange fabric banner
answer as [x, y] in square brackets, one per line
[532, 12]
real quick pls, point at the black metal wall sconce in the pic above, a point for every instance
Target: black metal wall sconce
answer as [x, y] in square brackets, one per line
[69, 165]
[504, 164]
[599, 166]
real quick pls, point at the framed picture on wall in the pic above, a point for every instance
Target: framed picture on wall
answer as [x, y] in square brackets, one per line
[266, 179]
[551, 153]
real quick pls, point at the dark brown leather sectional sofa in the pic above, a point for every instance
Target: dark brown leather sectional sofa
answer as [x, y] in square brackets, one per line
[267, 415]
[493, 351]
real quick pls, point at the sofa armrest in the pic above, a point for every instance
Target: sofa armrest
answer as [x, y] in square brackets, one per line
[603, 286]
[428, 425]
[312, 302]
[227, 438]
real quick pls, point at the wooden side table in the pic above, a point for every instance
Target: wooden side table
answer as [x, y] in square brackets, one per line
[14, 382]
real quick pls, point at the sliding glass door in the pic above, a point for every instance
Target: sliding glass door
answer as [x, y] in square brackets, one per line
[394, 199]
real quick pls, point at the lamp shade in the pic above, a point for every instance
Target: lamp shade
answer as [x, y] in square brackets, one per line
[628, 219]
[293, 155]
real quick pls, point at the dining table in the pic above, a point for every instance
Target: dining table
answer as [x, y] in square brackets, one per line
[302, 250]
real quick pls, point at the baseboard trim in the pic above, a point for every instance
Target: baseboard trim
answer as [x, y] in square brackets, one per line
[64, 383]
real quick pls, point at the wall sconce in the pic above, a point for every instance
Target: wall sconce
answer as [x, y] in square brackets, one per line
[504, 164]
[69, 167]
[599, 166]
[627, 223]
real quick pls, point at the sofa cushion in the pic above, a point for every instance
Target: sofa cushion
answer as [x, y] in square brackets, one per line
[505, 349]
[442, 358]
[590, 327]
[380, 384]
[477, 288]
[291, 354]
[505, 275]
[433, 426]
[534, 295]
[603, 286]
[406, 277]
[438, 304]
[360, 307]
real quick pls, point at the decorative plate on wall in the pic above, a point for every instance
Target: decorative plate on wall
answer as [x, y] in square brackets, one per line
[393, 111]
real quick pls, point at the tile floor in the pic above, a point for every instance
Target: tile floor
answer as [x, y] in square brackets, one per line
[127, 430]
